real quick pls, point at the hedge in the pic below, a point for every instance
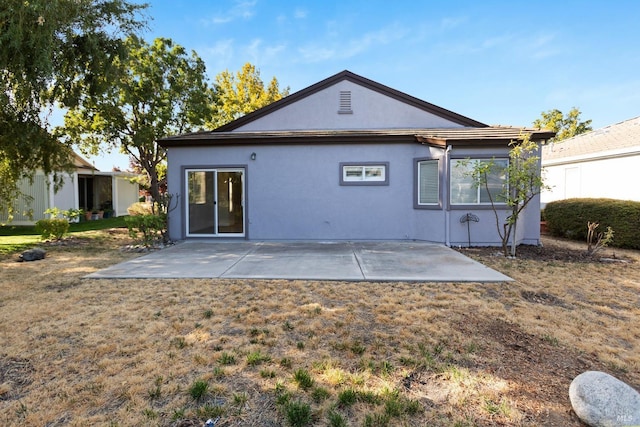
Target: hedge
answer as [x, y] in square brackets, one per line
[569, 218]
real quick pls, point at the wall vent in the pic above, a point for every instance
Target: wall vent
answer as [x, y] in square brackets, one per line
[345, 102]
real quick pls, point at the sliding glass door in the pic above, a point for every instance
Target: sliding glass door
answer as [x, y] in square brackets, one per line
[215, 205]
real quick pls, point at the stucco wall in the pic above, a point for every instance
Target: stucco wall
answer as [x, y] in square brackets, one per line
[371, 110]
[294, 192]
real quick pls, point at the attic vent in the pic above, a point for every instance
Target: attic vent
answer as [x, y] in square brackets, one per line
[345, 102]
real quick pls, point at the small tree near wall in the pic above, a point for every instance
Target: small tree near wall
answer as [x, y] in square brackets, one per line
[522, 182]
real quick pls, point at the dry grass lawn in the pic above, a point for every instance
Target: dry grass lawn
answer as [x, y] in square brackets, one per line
[83, 352]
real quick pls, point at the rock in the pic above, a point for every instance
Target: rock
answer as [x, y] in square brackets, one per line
[32, 255]
[601, 400]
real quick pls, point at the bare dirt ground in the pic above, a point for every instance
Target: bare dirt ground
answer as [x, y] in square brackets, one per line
[132, 352]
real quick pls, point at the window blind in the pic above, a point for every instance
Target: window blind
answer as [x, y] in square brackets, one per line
[428, 188]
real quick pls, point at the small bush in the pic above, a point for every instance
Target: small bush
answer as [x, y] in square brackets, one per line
[71, 215]
[151, 227]
[56, 228]
[569, 218]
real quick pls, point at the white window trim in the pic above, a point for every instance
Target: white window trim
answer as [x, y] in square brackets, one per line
[437, 203]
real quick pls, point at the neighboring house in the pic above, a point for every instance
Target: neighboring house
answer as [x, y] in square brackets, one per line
[601, 163]
[344, 159]
[86, 188]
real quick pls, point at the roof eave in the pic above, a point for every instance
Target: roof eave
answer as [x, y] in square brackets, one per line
[240, 139]
[486, 141]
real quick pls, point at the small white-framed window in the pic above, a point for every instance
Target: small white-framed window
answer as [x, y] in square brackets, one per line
[465, 190]
[364, 173]
[428, 182]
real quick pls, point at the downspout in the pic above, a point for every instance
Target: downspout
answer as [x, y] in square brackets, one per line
[445, 201]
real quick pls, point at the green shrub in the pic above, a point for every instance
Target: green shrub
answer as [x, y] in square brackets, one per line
[55, 228]
[569, 218]
[70, 214]
[151, 227]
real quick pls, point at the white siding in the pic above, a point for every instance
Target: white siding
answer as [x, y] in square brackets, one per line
[614, 178]
[39, 194]
[126, 194]
[67, 196]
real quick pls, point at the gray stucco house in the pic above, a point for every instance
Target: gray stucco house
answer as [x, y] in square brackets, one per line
[344, 159]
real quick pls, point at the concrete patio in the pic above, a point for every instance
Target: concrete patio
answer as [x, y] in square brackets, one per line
[339, 261]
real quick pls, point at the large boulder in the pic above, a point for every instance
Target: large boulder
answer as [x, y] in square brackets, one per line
[601, 400]
[32, 255]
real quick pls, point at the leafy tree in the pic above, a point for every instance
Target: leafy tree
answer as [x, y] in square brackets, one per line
[160, 91]
[52, 50]
[143, 180]
[243, 93]
[521, 184]
[565, 126]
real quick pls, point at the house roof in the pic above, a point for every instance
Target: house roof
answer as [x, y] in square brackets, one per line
[354, 78]
[616, 139]
[485, 136]
[81, 163]
[470, 133]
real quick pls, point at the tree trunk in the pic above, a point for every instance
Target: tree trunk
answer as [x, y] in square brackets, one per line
[513, 238]
[154, 188]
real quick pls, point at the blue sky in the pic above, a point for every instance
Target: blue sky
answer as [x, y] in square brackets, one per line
[498, 62]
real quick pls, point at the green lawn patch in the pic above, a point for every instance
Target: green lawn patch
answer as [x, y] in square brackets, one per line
[18, 238]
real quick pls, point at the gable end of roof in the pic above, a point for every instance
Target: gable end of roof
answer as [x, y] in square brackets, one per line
[362, 81]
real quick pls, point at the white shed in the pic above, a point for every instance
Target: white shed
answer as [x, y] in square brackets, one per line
[86, 188]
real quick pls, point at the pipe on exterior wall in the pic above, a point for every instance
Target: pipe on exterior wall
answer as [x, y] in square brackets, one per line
[445, 198]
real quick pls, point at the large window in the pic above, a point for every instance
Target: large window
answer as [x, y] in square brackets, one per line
[428, 183]
[468, 190]
[364, 173]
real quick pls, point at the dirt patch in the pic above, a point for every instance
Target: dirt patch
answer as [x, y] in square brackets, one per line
[532, 371]
[543, 298]
[15, 376]
[554, 249]
[537, 369]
